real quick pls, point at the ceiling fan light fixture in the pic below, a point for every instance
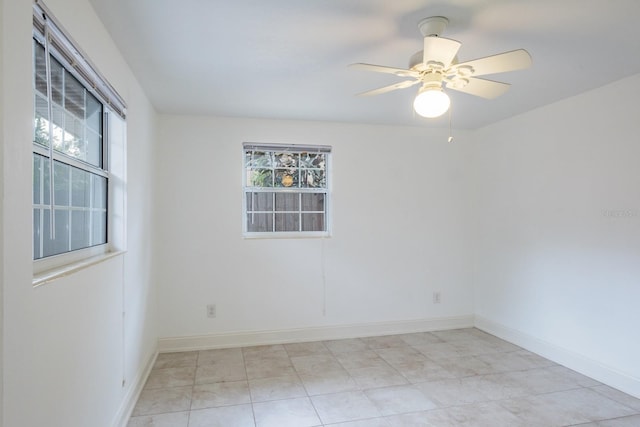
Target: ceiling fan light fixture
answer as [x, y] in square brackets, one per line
[431, 102]
[437, 65]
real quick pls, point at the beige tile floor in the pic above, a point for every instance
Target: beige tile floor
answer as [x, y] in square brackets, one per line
[461, 377]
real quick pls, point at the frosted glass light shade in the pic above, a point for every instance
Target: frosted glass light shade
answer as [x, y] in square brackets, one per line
[431, 102]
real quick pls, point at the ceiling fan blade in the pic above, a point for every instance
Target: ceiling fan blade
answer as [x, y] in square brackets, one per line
[440, 49]
[400, 85]
[483, 88]
[401, 72]
[500, 63]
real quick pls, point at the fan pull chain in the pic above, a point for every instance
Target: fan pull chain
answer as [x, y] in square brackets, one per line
[450, 139]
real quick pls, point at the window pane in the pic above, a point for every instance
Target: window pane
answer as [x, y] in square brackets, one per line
[312, 222]
[61, 183]
[98, 227]
[312, 173]
[259, 222]
[260, 202]
[312, 160]
[313, 202]
[73, 96]
[41, 187]
[94, 149]
[37, 254]
[47, 244]
[61, 242]
[41, 121]
[46, 181]
[312, 178]
[258, 159]
[80, 188]
[37, 178]
[57, 128]
[80, 229]
[287, 160]
[260, 178]
[74, 144]
[99, 191]
[40, 73]
[287, 178]
[287, 201]
[57, 79]
[94, 113]
[287, 222]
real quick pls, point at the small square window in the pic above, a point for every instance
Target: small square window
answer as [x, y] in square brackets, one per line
[286, 191]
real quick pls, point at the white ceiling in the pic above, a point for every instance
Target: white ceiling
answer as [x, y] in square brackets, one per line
[287, 59]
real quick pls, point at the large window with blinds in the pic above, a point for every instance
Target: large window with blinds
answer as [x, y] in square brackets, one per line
[286, 190]
[70, 144]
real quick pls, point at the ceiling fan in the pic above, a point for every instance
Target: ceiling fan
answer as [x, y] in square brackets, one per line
[436, 66]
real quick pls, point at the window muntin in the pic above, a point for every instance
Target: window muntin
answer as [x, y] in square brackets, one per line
[286, 190]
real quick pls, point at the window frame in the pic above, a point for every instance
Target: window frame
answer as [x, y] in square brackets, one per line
[283, 148]
[64, 50]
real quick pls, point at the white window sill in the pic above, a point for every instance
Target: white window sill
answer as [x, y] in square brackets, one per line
[47, 276]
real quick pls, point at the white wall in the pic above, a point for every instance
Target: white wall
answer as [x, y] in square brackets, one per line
[400, 231]
[66, 346]
[558, 222]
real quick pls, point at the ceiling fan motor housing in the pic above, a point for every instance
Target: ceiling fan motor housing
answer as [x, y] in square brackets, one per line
[433, 26]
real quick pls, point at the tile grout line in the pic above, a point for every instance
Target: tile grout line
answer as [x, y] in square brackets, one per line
[246, 375]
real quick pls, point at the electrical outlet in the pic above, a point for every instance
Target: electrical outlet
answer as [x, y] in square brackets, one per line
[437, 297]
[211, 310]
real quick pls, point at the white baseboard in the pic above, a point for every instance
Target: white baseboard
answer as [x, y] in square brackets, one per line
[572, 360]
[249, 338]
[133, 393]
